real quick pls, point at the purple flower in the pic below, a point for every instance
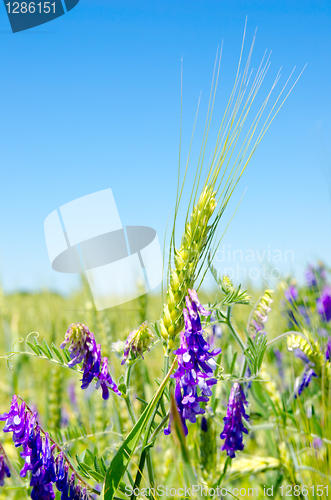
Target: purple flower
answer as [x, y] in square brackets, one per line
[291, 293]
[324, 304]
[311, 276]
[42, 492]
[328, 350]
[137, 342]
[233, 425]
[317, 443]
[196, 365]
[38, 455]
[84, 349]
[204, 424]
[306, 379]
[105, 380]
[301, 355]
[4, 469]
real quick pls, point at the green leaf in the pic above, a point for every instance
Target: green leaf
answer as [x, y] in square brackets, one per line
[123, 457]
[255, 352]
[46, 346]
[57, 353]
[33, 348]
[99, 478]
[180, 439]
[43, 351]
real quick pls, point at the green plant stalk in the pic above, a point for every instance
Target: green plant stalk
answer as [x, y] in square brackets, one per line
[146, 454]
[124, 455]
[127, 396]
[233, 331]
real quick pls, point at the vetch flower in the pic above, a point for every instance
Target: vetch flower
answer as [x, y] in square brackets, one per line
[328, 350]
[311, 276]
[196, 364]
[38, 455]
[105, 380]
[323, 304]
[84, 349]
[137, 342]
[233, 424]
[4, 469]
[306, 379]
[204, 424]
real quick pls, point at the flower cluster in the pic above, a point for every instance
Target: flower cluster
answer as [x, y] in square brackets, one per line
[4, 469]
[196, 364]
[38, 455]
[315, 275]
[233, 425]
[328, 350]
[260, 314]
[137, 342]
[84, 349]
[306, 379]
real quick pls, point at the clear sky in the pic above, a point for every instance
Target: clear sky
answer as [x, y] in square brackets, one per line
[91, 100]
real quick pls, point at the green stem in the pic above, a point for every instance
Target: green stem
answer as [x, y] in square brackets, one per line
[146, 452]
[2, 451]
[127, 395]
[159, 429]
[149, 461]
[273, 341]
[243, 371]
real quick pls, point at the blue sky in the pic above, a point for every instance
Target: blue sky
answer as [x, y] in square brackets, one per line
[91, 100]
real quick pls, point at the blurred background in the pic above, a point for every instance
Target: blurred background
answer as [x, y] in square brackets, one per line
[91, 100]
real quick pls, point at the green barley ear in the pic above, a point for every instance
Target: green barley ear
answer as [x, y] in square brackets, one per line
[316, 355]
[253, 465]
[186, 259]
[287, 463]
[210, 198]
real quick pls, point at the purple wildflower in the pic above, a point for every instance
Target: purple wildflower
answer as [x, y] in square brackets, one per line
[4, 469]
[38, 455]
[196, 364]
[137, 342]
[306, 379]
[233, 425]
[105, 380]
[291, 293]
[324, 304]
[204, 424]
[311, 276]
[317, 443]
[84, 349]
[328, 350]
[301, 355]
